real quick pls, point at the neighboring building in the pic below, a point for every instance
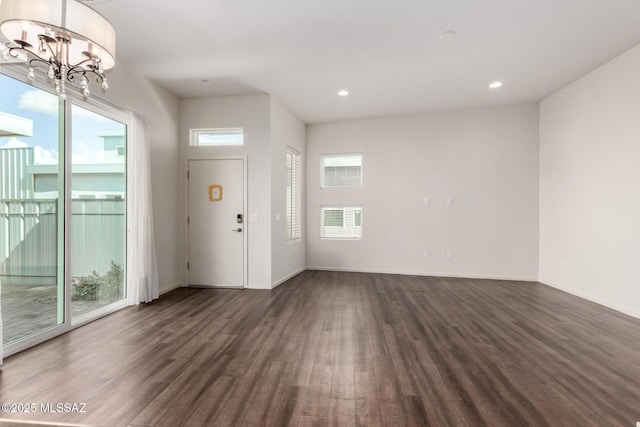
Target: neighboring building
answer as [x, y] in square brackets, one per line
[21, 178]
[88, 181]
[11, 125]
[14, 180]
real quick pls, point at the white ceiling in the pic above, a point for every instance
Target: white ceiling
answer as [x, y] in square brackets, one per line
[387, 53]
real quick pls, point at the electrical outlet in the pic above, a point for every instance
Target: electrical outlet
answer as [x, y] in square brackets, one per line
[427, 201]
[426, 253]
[449, 254]
[449, 201]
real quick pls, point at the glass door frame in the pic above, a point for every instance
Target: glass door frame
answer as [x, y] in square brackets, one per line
[103, 107]
[107, 110]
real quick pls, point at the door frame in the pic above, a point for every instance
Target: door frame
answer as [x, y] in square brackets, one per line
[102, 106]
[245, 260]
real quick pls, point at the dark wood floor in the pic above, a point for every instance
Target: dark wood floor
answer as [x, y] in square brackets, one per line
[344, 349]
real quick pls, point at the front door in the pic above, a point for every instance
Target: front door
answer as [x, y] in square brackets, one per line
[216, 223]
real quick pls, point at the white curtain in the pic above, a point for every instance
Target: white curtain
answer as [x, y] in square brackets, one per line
[142, 267]
[1, 336]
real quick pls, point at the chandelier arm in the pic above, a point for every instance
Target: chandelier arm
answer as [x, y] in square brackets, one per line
[78, 69]
[73, 70]
[53, 59]
[35, 61]
[99, 76]
[83, 62]
[90, 65]
[35, 57]
[9, 47]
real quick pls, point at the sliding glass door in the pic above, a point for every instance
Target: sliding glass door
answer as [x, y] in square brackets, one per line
[31, 216]
[98, 211]
[62, 211]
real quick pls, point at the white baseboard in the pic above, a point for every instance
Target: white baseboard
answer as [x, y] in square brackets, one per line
[591, 298]
[287, 277]
[422, 273]
[543, 281]
[262, 286]
[171, 288]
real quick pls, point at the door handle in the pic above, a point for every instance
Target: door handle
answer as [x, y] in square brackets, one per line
[238, 230]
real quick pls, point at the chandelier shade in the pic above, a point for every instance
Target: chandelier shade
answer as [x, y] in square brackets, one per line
[69, 37]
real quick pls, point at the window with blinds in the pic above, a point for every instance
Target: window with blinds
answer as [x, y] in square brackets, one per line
[293, 194]
[341, 222]
[216, 137]
[341, 170]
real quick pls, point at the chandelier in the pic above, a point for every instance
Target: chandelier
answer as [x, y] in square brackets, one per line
[72, 41]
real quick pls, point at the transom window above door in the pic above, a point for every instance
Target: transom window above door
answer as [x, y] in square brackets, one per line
[215, 137]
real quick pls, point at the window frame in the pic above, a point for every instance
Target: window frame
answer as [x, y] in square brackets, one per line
[293, 197]
[357, 217]
[195, 133]
[346, 223]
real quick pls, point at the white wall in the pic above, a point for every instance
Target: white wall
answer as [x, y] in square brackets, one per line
[486, 160]
[130, 89]
[590, 186]
[287, 257]
[252, 113]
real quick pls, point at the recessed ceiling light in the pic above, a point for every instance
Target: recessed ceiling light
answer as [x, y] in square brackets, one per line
[495, 85]
[447, 35]
[343, 92]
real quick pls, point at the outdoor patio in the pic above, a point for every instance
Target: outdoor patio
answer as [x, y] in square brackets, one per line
[30, 309]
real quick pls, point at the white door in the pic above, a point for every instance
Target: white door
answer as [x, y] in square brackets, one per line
[216, 223]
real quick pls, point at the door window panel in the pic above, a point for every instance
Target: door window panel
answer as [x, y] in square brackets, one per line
[31, 217]
[98, 211]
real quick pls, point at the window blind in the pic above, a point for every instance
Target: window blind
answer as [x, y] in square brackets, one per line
[341, 222]
[293, 194]
[333, 217]
[341, 170]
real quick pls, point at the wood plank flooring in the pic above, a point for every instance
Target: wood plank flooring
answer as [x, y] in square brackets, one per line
[330, 348]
